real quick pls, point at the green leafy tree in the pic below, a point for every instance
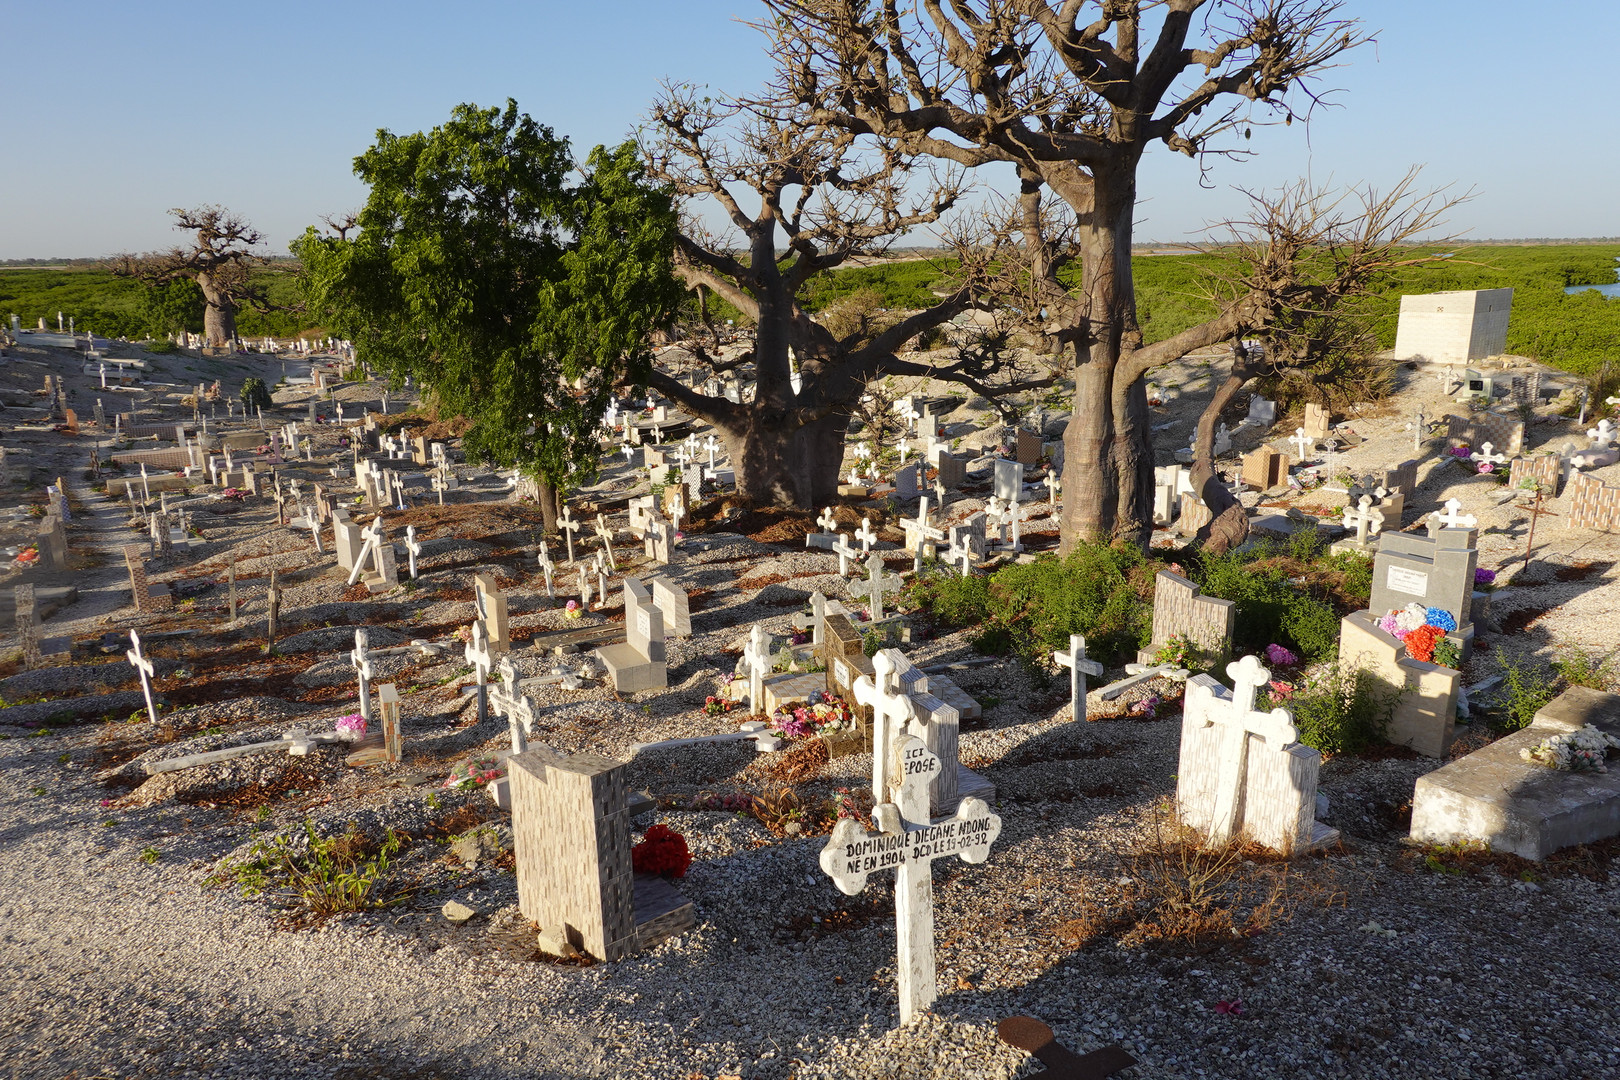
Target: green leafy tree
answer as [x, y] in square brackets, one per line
[174, 306]
[520, 291]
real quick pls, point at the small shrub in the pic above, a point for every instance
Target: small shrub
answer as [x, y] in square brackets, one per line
[1528, 684]
[255, 395]
[150, 855]
[1580, 668]
[1341, 710]
[333, 874]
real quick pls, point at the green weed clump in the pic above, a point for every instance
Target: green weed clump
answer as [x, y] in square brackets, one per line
[333, 874]
[1580, 668]
[1099, 590]
[1341, 710]
[1273, 606]
[1527, 685]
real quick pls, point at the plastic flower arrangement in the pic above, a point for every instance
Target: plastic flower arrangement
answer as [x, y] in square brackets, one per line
[1146, 707]
[1420, 642]
[1484, 577]
[1280, 656]
[1486, 467]
[474, 773]
[1447, 653]
[1574, 751]
[28, 556]
[662, 851]
[351, 727]
[1440, 617]
[799, 636]
[233, 494]
[1461, 453]
[719, 706]
[1179, 651]
[822, 712]
[464, 634]
[572, 610]
[1280, 690]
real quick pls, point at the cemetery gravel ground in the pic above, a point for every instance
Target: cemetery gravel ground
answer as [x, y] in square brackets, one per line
[115, 967]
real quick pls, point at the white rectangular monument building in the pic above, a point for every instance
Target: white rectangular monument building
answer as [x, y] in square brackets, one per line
[1454, 327]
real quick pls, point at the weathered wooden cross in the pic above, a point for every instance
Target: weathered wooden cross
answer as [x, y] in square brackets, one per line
[606, 534]
[1079, 667]
[844, 547]
[1304, 445]
[547, 567]
[908, 842]
[1453, 518]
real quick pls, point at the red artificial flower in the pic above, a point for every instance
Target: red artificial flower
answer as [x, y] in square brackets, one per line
[662, 850]
[1420, 643]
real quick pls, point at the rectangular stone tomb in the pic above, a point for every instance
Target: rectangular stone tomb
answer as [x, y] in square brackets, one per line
[638, 663]
[1493, 796]
[571, 839]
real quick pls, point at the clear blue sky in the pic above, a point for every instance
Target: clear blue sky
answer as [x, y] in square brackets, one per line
[111, 112]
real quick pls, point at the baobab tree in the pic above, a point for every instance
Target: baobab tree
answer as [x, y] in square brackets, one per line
[1072, 105]
[219, 260]
[819, 198]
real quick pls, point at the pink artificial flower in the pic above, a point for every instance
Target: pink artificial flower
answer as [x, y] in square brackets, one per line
[1230, 1008]
[1486, 467]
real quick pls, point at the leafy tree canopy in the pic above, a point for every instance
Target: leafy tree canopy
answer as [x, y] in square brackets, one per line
[518, 289]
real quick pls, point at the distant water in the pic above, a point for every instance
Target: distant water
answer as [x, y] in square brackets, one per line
[1612, 290]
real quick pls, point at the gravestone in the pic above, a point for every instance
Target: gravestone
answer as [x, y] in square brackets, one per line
[1009, 480]
[1544, 469]
[1436, 571]
[1243, 773]
[1194, 515]
[1318, 421]
[638, 662]
[1426, 706]
[1265, 469]
[1592, 503]
[1181, 610]
[571, 840]
[347, 540]
[671, 599]
[906, 481]
[1505, 433]
[491, 602]
[952, 470]
[1261, 411]
[147, 597]
[51, 540]
[1029, 448]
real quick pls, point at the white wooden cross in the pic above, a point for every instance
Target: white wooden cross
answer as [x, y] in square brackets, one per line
[1605, 433]
[909, 842]
[711, 444]
[547, 568]
[1304, 445]
[865, 535]
[371, 549]
[1052, 486]
[757, 659]
[413, 547]
[1484, 455]
[1419, 430]
[1240, 720]
[677, 510]
[478, 654]
[584, 586]
[1452, 518]
[627, 452]
[905, 450]
[569, 526]
[146, 669]
[360, 660]
[1136, 674]
[846, 550]
[827, 522]
[1365, 519]
[1079, 667]
[313, 520]
[891, 714]
[606, 535]
[399, 492]
[601, 578]
[877, 585]
[961, 552]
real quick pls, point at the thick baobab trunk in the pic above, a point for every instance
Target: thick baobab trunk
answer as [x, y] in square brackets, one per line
[819, 456]
[1090, 490]
[219, 313]
[778, 465]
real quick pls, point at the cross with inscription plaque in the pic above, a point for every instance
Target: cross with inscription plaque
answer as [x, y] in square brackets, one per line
[907, 842]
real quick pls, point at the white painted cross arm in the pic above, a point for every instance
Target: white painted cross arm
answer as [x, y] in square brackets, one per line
[852, 853]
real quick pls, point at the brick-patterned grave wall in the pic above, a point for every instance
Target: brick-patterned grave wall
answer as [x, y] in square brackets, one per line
[1504, 433]
[1180, 610]
[1592, 503]
[1544, 468]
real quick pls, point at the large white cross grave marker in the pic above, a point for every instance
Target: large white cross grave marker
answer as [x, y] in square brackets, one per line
[146, 669]
[1243, 772]
[908, 844]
